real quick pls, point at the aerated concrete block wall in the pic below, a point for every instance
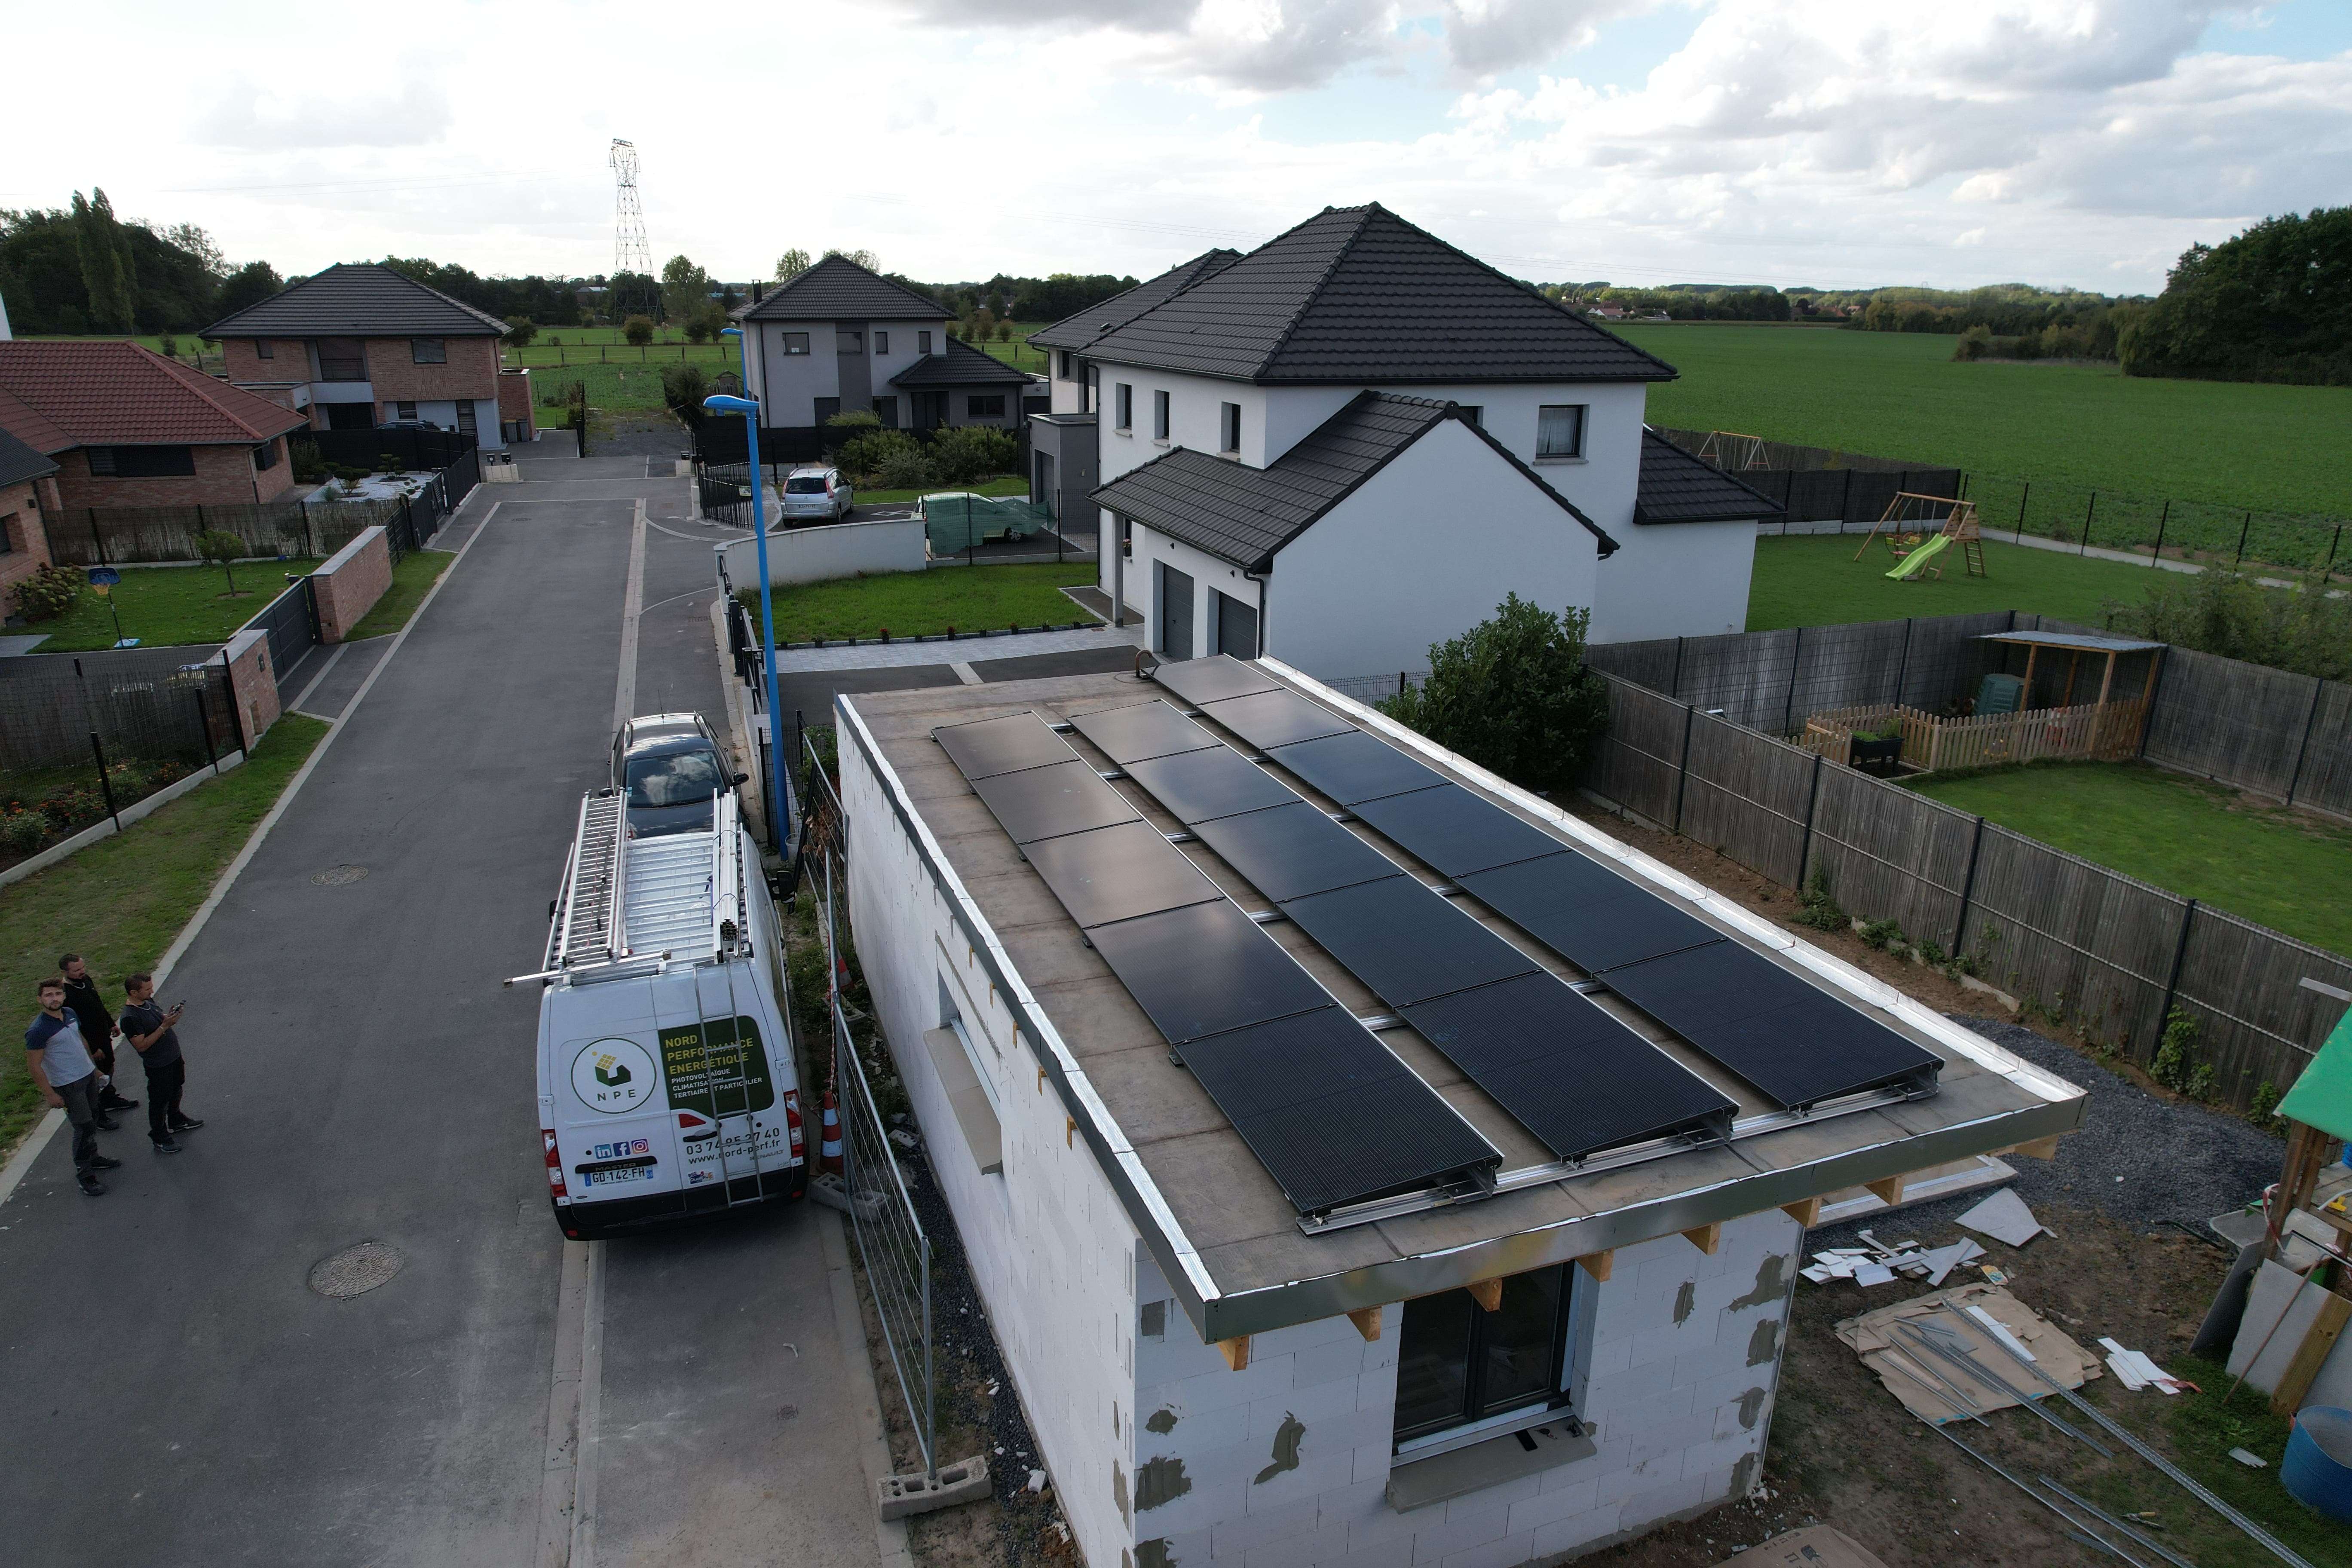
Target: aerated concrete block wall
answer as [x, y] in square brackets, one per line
[1288, 1463]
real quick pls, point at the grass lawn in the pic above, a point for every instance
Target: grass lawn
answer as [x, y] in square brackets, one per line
[2287, 870]
[1815, 581]
[614, 388]
[133, 891]
[164, 605]
[916, 604]
[417, 572]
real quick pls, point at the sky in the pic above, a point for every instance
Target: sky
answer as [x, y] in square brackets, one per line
[1832, 143]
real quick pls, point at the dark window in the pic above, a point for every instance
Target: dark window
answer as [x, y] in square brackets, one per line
[796, 343]
[886, 410]
[1126, 538]
[341, 359]
[881, 342]
[1458, 1363]
[1559, 430]
[985, 406]
[465, 422]
[1236, 627]
[264, 349]
[1159, 416]
[1093, 389]
[264, 456]
[1476, 413]
[827, 407]
[849, 342]
[428, 350]
[405, 410]
[1123, 402]
[143, 462]
[922, 343]
[7, 533]
[1229, 428]
[1069, 365]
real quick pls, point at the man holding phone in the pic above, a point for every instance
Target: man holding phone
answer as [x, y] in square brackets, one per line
[150, 1032]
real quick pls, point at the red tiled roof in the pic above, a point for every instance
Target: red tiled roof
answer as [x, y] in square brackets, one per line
[56, 393]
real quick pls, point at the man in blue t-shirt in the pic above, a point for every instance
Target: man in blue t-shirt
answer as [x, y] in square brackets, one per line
[63, 1073]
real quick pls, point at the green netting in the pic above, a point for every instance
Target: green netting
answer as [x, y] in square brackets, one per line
[2322, 1097]
[956, 521]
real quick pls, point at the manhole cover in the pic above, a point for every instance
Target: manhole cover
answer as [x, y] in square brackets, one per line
[355, 1270]
[339, 876]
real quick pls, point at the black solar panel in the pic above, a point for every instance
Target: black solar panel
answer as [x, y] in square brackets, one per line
[1003, 745]
[1289, 851]
[1454, 830]
[1355, 766]
[1200, 786]
[1063, 798]
[1130, 734]
[1333, 1116]
[1585, 912]
[1198, 680]
[1405, 941]
[1118, 873]
[1578, 1079]
[1266, 719]
[1797, 1043]
[1206, 969]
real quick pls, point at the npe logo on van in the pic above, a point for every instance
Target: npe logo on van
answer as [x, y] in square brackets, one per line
[613, 1076]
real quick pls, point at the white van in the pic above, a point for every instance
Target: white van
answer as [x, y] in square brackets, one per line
[668, 1073]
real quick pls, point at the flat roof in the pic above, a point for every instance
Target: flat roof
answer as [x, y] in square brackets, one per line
[1229, 1242]
[2088, 642]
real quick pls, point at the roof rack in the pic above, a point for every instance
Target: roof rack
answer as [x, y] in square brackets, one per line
[627, 902]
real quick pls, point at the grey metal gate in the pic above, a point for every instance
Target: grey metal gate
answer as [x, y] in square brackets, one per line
[291, 625]
[1175, 611]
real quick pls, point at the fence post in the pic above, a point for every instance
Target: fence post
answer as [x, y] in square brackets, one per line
[96, 544]
[1968, 887]
[105, 785]
[2160, 521]
[2332, 547]
[2089, 512]
[2025, 491]
[1401, 675]
[2243, 529]
[1845, 500]
[2155, 691]
[236, 719]
[1902, 668]
[1675, 690]
[2318, 689]
[2179, 955]
[1682, 774]
[205, 728]
[1796, 659]
[1812, 803]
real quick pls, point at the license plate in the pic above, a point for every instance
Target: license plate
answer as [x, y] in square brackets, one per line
[614, 1178]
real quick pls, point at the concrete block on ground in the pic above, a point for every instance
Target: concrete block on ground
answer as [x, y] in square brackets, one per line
[965, 1481]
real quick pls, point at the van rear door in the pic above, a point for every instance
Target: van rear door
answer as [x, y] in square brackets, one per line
[614, 1127]
[722, 1091]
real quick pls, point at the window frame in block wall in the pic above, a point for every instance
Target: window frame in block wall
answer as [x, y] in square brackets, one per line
[1436, 1318]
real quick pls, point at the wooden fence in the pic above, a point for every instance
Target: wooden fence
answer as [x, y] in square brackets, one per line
[2090, 732]
[2098, 948]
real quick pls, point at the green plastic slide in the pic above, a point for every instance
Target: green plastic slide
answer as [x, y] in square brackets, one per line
[1909, 565]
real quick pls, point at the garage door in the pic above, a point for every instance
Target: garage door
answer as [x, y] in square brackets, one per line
[1236, 627]
[1175, 596]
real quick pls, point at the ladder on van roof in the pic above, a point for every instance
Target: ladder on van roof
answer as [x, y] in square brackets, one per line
[587, 928]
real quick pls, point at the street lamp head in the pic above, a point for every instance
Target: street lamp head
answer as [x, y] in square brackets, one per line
[720, 403]
[731, 332]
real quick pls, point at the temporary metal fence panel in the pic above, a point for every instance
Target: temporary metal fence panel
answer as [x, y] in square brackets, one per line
[291, 624]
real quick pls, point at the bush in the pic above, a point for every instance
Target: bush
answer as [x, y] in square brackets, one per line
[1817, 907]
[1513, 695]
[521, 329]
[698, 331]
[1975, 343]
[684, 387]
[2176, 1066]
[965, 453]
[309, 468]
[865, 455]
[908, 469]
[2226, 612]
[24, 831]
[638, 329]
[168, 347]
[49, 593]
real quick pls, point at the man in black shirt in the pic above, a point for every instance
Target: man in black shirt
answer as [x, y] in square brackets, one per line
[150, 1030]
[98, 1028]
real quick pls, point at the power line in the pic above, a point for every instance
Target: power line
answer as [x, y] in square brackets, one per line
[630, 252]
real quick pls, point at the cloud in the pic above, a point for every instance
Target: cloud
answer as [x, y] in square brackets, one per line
[250, 120]
[1485, 38]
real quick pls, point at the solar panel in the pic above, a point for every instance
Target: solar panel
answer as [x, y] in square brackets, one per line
[1198, 680]
[1354, 766]
[1117, 873]
[991, 746]
[1454, 830]
[1330, 1113]
[1206, 969]
[1063, 798]
[1200, 786]
[1289, 851]
[1274, 718]
[1578, 1079]
[1797, 1043]
[1405, 942]
[1144, 729]
[1585, 912]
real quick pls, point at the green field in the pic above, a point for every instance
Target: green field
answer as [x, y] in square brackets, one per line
[919, 604]
[2284, 868]
[2213, 447]
[1815, 581]
[163, 605]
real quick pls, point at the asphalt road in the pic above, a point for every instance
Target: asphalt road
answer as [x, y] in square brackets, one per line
[172, 1387]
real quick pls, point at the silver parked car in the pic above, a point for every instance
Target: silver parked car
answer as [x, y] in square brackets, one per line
[818, 492]
[670, 765]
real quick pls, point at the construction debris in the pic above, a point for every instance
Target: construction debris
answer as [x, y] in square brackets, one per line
[2136, 1371]
[1878, 1264]
[1815, 1546]
[1941, 1358]
[2004, 1218]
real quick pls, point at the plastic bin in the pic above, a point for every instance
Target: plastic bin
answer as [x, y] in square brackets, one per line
[2317, 1470]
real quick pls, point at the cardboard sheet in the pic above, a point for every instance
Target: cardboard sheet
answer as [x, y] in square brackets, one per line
[1925, 1381]
[2004, 1218]
[1816, 1546]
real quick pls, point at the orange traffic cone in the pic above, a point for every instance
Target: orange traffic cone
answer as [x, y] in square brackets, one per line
[829, 1151]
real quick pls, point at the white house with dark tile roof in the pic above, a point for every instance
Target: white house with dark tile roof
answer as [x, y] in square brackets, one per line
[1254, 502]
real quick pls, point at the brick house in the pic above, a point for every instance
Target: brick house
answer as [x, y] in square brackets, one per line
[25, 474]
[359, 345]
[128, 428]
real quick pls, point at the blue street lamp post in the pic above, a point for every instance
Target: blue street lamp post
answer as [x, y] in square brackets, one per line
[778, 818]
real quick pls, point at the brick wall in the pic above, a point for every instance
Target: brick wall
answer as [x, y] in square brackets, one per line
[351, 582]
[225, 476]
[292, 362]
[514, 399]
[27, 539]
[252, 681]
[472, 372]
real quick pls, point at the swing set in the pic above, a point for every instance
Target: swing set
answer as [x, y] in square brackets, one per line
[1920, 532]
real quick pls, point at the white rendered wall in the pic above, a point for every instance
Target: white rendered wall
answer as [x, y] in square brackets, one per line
[1206, 571]
[788, 385]
[1051, 1249]
[1676, 580]
[1422, 551]
[829, 551]
[1193, 404]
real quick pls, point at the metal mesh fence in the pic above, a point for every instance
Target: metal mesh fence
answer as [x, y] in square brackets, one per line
[86, 736]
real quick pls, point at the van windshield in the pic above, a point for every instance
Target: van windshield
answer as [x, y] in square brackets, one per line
[805, 485]
[680, 779]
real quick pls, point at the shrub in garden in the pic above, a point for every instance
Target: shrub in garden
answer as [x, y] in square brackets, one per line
[49, 593]
[309, 468]
[856, 422]
[684, 387]
[865, 455]
[1513, 694]
[218, 544]
[21, 831]
[2226, 612]
[909, 468]
[638, 329]
[965, 453]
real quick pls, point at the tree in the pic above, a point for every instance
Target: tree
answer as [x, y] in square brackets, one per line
[2273, 303]
[863, 256]
[792, 264]
[193, 241]
[686, 290]
[520, 331]
[218, 544]
[684, 387]
[249, 285]
[638, 329]
[1513, 695]
[106, 270]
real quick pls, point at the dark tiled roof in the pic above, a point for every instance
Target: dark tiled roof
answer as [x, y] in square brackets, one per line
[1678, 487]
[1078, 329]
[357, 300]
[1244, 515]
[838, 290]
[1357, 294]
[19, 462]
[961, 365]
[80, 394]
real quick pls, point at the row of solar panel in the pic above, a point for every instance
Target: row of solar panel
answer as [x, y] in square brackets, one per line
[1576, 1078]
[1330, 1113]
[1798, 1045]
